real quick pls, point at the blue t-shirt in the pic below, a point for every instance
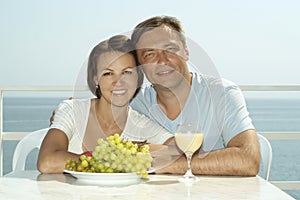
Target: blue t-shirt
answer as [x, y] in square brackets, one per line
[217, 105]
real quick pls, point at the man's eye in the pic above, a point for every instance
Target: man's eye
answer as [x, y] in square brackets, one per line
[148, 55]
[172, 49]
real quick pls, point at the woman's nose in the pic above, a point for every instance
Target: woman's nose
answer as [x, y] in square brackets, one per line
[119, 81]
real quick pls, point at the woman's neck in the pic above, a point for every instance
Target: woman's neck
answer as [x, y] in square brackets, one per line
[110, 117]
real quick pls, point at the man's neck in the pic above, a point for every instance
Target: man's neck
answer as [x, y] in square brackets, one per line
[172, 101]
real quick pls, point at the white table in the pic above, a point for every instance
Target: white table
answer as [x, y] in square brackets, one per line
[32, 185]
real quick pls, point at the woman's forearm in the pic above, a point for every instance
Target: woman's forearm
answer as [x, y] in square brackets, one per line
[55, 162]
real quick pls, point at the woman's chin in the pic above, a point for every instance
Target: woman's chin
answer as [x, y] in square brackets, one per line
[120, 104]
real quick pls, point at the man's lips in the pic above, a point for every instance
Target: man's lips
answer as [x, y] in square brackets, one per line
[164, 73]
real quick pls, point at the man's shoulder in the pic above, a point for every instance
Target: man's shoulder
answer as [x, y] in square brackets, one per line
[146, 95]
[142, 102]
[215, 82]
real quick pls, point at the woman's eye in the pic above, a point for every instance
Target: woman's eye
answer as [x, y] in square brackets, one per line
[107, 73]
[127, 72]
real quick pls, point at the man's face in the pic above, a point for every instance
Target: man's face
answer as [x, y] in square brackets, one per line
[163, 56]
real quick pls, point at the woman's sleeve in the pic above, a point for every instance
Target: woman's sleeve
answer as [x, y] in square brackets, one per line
[64, 118]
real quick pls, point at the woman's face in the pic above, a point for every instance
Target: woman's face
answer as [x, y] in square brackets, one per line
[117, 77]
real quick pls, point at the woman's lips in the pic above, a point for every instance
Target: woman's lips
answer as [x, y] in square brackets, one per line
[118, 92]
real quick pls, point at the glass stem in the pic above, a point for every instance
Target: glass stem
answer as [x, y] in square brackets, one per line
[189, 170]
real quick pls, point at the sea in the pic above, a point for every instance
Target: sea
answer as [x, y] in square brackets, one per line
[275, 112]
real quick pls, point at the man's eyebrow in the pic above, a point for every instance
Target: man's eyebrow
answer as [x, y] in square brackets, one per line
[171, 44]
[147, 49]
[163, 47]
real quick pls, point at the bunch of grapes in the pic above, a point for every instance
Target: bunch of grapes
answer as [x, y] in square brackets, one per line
[114, 155]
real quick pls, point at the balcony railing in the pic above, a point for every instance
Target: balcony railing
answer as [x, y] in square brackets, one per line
[284, 185]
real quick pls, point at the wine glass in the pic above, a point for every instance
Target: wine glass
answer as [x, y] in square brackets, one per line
[189, 138]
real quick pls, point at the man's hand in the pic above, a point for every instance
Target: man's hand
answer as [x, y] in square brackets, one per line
[52, 117]
[53, 113]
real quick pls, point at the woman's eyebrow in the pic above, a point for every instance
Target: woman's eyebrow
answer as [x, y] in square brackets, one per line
[129, 67]
[107, 69]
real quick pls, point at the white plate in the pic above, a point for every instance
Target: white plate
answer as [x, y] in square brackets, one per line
[105, 179]
[151, 171]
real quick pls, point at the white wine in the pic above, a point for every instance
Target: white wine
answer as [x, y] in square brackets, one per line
[189, 138]
[189, 142]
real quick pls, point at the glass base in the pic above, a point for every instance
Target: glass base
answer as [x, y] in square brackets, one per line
[188, 178]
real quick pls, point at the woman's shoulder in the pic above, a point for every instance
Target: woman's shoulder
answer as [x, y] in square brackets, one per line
[75, 104]
[135, 115]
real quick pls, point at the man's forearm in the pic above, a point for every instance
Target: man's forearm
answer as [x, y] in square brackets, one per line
[228, 161]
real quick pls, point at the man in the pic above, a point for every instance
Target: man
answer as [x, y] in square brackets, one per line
[178, 96]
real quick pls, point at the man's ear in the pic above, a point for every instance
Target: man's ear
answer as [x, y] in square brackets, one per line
[186, 54]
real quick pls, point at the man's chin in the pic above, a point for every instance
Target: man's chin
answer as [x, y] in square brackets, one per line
[165, 85]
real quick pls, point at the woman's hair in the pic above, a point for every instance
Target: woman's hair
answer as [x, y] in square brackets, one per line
[118, 43]
[155, 22]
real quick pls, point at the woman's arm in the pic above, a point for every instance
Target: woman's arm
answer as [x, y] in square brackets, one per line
[54, 152]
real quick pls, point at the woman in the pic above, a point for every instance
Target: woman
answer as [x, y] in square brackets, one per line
[114, 79]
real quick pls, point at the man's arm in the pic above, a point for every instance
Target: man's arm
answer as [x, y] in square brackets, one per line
[241, 157]
[53, 113]
[54, 152]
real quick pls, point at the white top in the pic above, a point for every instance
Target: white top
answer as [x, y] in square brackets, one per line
[217, 105]
[72, 116]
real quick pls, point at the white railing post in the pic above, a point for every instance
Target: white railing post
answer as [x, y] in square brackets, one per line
[1, 131]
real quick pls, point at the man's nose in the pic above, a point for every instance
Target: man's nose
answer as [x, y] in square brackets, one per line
[163, 57]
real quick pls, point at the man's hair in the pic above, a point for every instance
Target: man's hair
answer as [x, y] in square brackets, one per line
[118, 43]
[155, 22]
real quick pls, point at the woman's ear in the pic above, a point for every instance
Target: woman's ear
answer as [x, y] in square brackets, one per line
[95, 80]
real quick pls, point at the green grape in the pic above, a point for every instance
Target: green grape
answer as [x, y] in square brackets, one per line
[114, 155]
[106, 164]
[106, 157]
[144, 174]
[109, 170]
[84, 163]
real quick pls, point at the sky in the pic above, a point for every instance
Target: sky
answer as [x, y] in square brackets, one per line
[253, 42]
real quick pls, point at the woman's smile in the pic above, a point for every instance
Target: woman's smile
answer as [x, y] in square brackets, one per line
[119, 92]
